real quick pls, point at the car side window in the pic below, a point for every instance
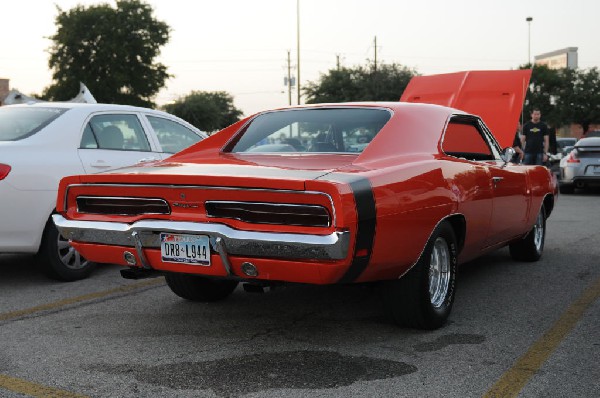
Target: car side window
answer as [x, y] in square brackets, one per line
[122, 132]
[88, 140]
[464, 140]
[172, 136]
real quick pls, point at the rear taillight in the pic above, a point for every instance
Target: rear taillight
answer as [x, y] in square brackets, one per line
[270, 213]
[572, 158]
[4, 170]
[122, 206]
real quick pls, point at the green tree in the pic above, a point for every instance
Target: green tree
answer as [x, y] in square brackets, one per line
[208, 111]
[564, 95]
[360, 83]
[544, 93]
[111, 50]
[580, 101]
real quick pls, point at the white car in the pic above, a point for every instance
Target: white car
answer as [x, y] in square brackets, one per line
[41, 143]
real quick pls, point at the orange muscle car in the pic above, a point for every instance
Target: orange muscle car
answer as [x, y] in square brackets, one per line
[390, 192]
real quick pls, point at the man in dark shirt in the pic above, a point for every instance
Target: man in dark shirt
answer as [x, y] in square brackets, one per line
[535, 139]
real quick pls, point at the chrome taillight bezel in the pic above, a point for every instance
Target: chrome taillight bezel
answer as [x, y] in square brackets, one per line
[296, 214]
[121, 205]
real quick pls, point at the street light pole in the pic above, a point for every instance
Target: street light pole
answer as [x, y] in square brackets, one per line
[298, 47]
[529, 19]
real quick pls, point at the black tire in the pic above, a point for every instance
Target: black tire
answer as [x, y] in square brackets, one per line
[198, 288]
[409, 300]
[531, 247]
[566, 188]
[59, 260]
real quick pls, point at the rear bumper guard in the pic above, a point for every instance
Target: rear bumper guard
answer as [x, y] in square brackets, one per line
[146, 234]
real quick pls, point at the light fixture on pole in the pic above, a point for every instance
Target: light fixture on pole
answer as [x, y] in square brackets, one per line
[529, 19]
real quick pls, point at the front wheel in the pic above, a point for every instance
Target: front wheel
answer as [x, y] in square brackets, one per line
[530, 248]
[423, 297]
[59, 260]
[198, 288]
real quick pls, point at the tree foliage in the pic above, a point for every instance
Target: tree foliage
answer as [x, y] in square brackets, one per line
[581, 100]
[208, 111]
[564, 96]
[386, 82]
[111, 50]
[544, 90]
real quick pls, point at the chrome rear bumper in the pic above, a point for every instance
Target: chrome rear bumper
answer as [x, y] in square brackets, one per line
[238, 243]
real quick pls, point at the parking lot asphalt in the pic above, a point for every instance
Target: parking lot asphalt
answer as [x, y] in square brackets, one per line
[517, 329]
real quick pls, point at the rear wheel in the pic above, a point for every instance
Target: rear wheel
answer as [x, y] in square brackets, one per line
[198, 288]
[530, 248]
[59, 260]
[423, 297]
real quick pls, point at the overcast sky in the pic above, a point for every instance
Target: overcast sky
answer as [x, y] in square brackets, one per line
[240, 46]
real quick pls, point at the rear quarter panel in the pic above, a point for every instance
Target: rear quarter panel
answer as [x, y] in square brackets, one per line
[543, 187]
[410, 200]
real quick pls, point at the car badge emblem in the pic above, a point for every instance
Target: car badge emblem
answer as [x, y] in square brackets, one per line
[186, 205]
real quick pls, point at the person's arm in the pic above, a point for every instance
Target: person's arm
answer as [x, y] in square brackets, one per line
[519, 152]
[546, 147]
[523, 142]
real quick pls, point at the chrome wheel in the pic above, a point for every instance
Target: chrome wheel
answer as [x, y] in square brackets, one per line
[439, 272]
[538, 232]
[423, 297]
[69, 256]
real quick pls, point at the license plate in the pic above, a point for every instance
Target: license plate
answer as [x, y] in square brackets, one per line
[186, 249]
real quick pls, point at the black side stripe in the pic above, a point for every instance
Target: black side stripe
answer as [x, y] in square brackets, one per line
[367, 219]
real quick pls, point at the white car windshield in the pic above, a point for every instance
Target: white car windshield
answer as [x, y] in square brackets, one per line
[323, 130]
[17, 123]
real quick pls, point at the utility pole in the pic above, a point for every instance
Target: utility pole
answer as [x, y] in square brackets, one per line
[289, 78]
[375, 44]
[298, 44]
[337, 61]
[529, 19]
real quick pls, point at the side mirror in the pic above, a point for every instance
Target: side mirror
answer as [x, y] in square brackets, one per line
[508, 154]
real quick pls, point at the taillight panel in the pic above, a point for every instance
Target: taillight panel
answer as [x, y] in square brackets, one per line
[572, 158]
[121, 206]
[4, 170]
[270, 213]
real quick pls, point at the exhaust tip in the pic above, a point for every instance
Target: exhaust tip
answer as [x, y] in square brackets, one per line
[129, 258]
[249, 269]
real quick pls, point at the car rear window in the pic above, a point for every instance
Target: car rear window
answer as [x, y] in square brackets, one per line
[322, 130]
[17, 123]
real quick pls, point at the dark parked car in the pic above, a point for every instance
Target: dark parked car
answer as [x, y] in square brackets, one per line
[595, 133]
[563, 143]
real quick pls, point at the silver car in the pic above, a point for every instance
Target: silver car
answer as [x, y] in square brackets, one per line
[581, 167]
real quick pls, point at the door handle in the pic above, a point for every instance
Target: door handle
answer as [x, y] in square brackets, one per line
[100, 165]
[496, 180]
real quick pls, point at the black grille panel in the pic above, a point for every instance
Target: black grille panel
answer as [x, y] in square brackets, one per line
[270, 213]
[124, 206]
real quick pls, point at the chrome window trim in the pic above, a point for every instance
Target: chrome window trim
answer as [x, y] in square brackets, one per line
[234, 137]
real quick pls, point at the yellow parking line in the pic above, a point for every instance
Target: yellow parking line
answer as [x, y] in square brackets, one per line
[78, 299]
[34, 390]
[513, 380]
